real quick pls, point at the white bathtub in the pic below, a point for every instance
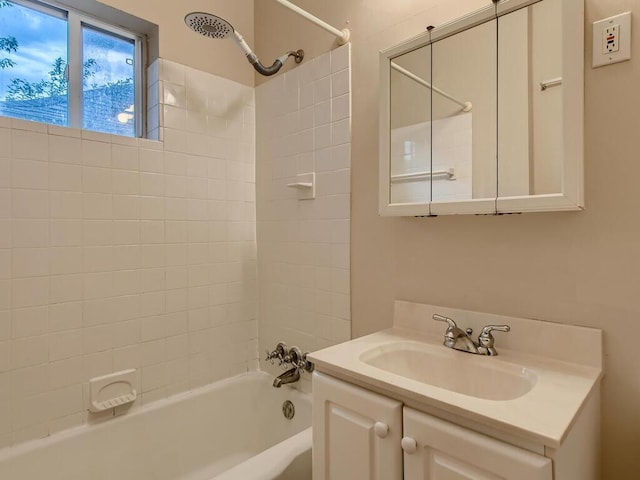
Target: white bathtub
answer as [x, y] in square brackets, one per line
[231, 430]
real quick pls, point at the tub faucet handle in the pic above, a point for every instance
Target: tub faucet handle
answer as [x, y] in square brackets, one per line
[270, 356]
[305, 364]
[293, 356]
[279, 353]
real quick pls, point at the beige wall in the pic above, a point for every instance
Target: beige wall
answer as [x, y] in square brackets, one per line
[546, 63]
[179, 44]
[513, 109]
[410, 102]
[470, 75]
[579, 268]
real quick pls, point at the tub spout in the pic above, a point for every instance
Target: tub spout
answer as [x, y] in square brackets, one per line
[290, 376]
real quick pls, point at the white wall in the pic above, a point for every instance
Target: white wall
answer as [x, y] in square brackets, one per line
[120, 253]
[304, 125]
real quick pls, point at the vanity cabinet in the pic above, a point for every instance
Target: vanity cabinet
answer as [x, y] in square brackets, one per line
[361, 435]
[439, 450]
[356, 433]
[398, 404]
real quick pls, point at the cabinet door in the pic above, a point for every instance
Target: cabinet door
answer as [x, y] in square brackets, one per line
[356, 433]
[438, 450]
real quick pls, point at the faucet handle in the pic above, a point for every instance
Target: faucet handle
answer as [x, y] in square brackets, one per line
[485, 339]
[450, 323]
[270, 356]
[498, 328]
[278, 354]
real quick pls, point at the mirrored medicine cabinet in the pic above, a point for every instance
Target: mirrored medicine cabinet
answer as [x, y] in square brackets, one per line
[484, 115]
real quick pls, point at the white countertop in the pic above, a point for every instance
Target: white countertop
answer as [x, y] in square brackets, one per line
[544, 415]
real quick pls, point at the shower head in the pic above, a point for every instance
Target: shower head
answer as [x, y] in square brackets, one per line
[213, 26]
[209, 25]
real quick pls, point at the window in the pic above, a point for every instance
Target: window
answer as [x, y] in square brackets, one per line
[64, 68]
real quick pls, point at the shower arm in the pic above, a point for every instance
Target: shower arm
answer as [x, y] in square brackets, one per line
[255, 61]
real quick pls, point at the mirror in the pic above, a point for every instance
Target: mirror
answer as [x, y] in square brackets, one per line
[410, 131]
[464, 119]
[484, 114]
[530, 91]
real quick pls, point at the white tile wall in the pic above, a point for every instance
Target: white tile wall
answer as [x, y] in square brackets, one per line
[303, 125]
[118, 253]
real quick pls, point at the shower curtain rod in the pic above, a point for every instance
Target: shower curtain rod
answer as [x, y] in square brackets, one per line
[343, 35]
[466, 106]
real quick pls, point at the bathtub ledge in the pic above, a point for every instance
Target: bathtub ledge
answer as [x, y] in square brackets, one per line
[272, 462]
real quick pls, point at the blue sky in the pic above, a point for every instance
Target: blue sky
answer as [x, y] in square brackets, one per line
[43, 38]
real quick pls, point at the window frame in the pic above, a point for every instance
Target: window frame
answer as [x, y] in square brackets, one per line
[76, 20]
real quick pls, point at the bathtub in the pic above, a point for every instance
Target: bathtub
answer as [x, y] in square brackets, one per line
[231, 430]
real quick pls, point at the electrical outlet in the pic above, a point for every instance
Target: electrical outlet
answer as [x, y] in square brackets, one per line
[612, 40]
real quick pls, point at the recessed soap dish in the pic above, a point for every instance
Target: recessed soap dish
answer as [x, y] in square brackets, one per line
[113, 390]
[306, 186]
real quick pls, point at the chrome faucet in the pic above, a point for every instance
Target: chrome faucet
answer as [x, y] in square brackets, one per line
[459, 339]
[289, 356]
[290, 376]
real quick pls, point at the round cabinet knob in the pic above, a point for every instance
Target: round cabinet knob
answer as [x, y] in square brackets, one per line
[409, 445]
[381, 429]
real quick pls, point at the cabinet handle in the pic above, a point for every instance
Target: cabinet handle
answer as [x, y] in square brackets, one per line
[409, 445]
[381, 429]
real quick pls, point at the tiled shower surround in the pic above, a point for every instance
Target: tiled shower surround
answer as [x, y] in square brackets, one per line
[121, 253]
[303, 126]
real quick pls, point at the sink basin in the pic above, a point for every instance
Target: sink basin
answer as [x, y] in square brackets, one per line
[473, 375]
